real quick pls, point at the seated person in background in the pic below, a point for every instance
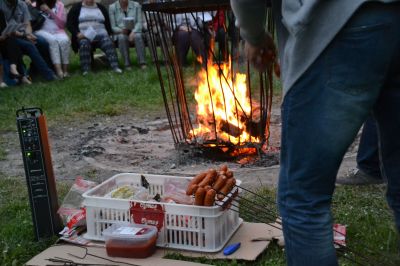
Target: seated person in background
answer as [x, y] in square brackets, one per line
[90, 27]
[190, 33]
[155, 29]
[41, 44]
[10, 50]
[126, 23]
[2, 84]
[16, 11]
[54, 33]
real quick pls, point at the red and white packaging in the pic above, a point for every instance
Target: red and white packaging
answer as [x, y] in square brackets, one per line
[339, 235]
[72, 211]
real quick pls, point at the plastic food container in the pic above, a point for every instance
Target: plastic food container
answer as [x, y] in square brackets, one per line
[188, 227]
[130, 240]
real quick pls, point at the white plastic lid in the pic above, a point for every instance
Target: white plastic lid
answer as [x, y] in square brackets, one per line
[130, 231]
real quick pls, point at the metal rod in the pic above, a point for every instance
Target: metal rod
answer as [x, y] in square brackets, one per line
[260, 210]
[163, 91]
[254, 214]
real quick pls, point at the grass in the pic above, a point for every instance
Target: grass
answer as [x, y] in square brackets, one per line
[362, 209]
[17, 243]
[101, 93]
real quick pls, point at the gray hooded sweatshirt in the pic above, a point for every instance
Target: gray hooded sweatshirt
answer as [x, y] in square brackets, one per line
[304, 28]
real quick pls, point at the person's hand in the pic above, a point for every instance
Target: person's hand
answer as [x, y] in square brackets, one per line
[44, 8]
[131, 37]
[261, 56]
[125, 31]
[80, 36]
[17, 34]
[28, 2]
[31, 37]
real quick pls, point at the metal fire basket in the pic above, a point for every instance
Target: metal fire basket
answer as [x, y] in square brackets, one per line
[214, 100]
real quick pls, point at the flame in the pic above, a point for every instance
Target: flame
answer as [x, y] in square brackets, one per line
[223, 105]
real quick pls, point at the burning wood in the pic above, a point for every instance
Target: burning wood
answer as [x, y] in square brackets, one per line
[223, 98]
[231, 129]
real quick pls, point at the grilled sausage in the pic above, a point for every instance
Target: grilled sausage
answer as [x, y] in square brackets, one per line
[196, 180]
[192, 189]
[209, 199]
[224, 168]
[220, 182]
[207, 188]
[209, 179]
[229, 174]
[199, 196]
[230, 183]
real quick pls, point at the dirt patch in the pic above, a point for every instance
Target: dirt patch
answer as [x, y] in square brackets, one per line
[100, 147]
[103, 146]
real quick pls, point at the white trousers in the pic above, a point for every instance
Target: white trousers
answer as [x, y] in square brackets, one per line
[59, 46]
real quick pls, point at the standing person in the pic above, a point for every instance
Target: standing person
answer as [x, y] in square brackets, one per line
[90, 27]
[340, 60]
[368, 167]
[16, 11]
[120, 11]
[54, 33]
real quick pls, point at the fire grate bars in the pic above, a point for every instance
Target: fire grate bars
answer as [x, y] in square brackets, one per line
[219, 102]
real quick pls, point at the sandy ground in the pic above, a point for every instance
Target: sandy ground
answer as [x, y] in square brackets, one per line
[103, 146]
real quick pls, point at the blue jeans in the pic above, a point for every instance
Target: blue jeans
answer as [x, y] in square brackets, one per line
[321, 114]
[29, 49]
[43, 47]
[368, 150]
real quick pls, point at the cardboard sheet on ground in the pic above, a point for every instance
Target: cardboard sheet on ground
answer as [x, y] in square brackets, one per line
[62, 251]
[254, 239]
[249, 250]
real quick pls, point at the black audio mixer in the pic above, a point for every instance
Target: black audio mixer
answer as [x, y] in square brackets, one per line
[39, 173]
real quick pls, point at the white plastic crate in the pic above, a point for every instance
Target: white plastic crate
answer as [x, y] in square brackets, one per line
[186, 227]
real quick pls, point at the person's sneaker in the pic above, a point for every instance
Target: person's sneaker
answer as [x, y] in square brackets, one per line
[358, 177]
[143, 66]
[60, 75]
[3, 85]
[26, 80]
[85, 73]
[117, 70]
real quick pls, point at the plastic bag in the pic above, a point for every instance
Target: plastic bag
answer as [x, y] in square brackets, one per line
[175, 192]
[72, 212]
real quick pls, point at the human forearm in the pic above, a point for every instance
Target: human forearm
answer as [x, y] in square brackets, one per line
[251, 18]
[59, 18]
[28, 28]
[116, 29]
[260, 48]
